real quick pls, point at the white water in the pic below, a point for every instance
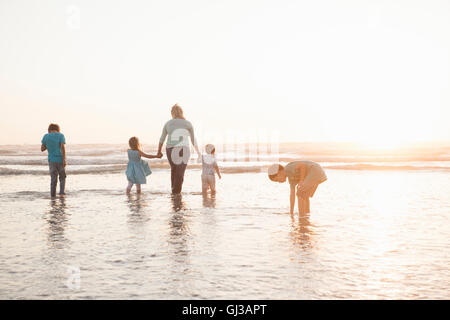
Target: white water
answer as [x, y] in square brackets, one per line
[105, 159]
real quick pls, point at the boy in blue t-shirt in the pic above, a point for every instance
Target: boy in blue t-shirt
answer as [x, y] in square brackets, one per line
[54, 142]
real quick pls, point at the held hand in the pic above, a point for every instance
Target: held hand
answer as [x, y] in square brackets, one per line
[159, 155]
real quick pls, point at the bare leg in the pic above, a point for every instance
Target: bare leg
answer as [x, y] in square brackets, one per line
[301, 205]
[306, 201]
[212, 184]
[130, 185]
[205, 185]
[205, 188]
[138, 188]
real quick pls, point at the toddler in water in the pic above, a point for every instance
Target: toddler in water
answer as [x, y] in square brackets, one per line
[137, 169]
[209, 166]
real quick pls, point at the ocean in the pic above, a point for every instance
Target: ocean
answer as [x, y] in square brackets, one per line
[379, 227]
[106, 159]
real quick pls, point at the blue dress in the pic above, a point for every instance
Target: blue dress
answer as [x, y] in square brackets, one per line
[137, 169]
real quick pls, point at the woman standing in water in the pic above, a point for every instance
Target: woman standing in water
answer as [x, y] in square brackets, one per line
[304, 177]
[177, 129]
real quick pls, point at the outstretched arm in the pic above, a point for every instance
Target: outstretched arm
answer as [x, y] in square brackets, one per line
[161, 140]
[149, 156]
[159, 149]
[196, 149]
[216, 167]
[194, 141]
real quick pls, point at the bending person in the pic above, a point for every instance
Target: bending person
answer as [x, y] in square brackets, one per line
[178, 153]
[304, 177]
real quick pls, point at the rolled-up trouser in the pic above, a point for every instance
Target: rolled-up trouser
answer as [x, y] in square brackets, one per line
[178, 159]
[57, 169]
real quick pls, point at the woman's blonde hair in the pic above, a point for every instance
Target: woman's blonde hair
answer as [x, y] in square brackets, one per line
[134, 143]
[177, 112]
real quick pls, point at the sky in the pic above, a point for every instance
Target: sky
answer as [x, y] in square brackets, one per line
[376, 72]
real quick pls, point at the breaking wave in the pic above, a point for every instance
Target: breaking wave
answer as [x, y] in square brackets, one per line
[111, 169]
[111, 159]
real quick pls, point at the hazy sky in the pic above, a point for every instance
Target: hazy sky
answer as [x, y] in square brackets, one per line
[372, 71]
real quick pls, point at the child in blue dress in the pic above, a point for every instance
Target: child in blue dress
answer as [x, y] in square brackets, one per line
[137, 169]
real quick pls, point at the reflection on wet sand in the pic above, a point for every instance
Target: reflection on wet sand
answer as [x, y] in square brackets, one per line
[137, 204]
[57, 222]
[177, 202]
[56, 258]
[209, 201]
[177, 221]
[301, 233]
[179, 236]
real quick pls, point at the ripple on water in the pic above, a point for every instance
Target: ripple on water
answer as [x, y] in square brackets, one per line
[239, 245]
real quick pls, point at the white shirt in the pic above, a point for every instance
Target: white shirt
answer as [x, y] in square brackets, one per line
[209, 163]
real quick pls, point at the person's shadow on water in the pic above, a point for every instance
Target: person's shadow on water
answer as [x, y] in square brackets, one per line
[301, 232]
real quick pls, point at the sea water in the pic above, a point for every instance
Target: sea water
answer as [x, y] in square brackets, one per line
[376, 234]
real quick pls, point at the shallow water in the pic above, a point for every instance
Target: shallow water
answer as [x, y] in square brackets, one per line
[370, 235]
